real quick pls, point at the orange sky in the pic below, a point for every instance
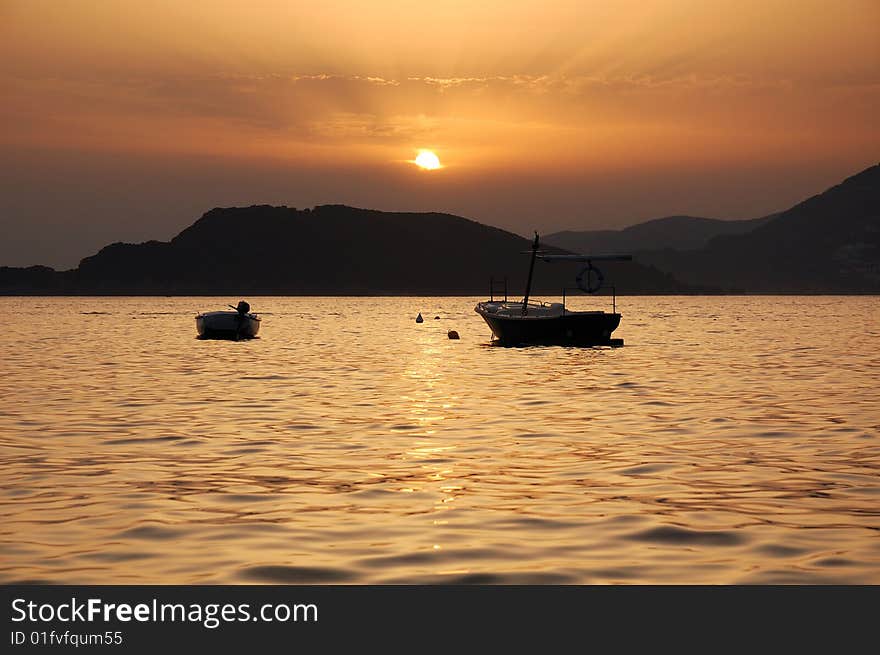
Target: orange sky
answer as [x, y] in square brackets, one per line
[126, 120]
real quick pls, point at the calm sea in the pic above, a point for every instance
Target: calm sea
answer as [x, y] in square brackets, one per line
[732, 440]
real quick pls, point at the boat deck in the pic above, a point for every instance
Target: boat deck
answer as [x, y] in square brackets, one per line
[535, 310]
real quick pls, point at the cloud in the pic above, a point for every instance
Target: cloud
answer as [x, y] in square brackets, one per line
[228, 112]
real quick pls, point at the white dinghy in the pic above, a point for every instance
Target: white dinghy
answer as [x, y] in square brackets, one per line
[240, 324]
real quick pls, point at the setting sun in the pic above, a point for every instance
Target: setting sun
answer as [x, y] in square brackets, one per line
[427, 160]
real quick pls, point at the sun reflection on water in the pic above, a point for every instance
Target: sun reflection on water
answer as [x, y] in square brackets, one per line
[342, 453]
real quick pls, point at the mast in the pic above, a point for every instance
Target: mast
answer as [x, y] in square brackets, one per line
[525, 309]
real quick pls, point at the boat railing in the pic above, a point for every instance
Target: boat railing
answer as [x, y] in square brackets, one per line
[519, 303]
[493, 285]
[605, 286]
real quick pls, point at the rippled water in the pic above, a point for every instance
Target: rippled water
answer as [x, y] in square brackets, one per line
[733, 439]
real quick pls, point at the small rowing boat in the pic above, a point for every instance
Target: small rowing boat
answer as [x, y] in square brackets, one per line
[240, 324]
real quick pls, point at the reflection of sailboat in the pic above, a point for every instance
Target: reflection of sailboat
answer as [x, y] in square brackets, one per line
[526, 322]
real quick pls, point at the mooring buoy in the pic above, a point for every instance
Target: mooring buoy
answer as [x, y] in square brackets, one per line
[452, 334]
[419, 318]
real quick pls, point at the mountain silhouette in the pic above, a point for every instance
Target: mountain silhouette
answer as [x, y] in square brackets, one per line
[676, 232]
[828, 243]
[331, 249]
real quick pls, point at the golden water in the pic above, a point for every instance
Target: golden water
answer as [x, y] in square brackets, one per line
[733, 439]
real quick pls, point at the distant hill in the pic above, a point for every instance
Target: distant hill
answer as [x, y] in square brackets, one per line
[676, 232]
[331, 249]
[828, 243]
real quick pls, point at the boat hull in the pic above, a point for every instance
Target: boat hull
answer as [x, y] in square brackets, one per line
[227, 325]
[567, 328]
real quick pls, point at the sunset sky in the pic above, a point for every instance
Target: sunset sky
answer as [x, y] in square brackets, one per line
[127, 120]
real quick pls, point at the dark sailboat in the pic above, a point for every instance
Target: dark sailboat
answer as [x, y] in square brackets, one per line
[531, 322]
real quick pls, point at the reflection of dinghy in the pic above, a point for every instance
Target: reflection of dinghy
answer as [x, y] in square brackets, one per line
[240, 324]
[530, 322]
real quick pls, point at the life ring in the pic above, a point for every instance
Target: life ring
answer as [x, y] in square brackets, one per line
[590, 285]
